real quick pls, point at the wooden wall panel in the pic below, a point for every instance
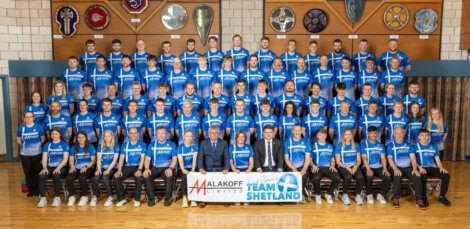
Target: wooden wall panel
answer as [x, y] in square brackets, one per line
[465, 25]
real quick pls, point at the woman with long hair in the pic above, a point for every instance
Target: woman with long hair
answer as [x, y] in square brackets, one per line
[59, 93]
[287, 120]
[187, 158]
[438, 129]
[38, 108]
[416, 122]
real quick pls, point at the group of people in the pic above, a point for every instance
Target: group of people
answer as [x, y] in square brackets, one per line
[113, 117]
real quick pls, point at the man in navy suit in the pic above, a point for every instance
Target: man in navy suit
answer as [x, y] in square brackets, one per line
[213, 153]
[269, 152]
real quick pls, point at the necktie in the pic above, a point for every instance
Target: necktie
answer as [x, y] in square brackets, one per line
[270, 156]
[213, 147]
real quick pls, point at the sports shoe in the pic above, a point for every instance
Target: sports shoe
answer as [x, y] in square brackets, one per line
[370, 199]
[318, 199]
[359, 200]
[345, 199]
[167, 202]
[56, 202]
[109, 201]
[193, 204]
[396, 202]
[184, 203]
[71, 201]
[121, 203]
[42, 202]
[83, 201]
[93, 201]
[136, 203]
[381, 199]
[420, 204]
[426, 201]
[329, 198]
[152, 202]
[443, 200]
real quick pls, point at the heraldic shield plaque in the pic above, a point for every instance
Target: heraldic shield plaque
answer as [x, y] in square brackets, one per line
[67, 18]
[203, 15]
[282, 19]
[174, 16]
[97, 17]
[354, 9]
[426, 21]
[315, 20]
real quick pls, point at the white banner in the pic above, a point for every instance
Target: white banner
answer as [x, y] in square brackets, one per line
[243, 187]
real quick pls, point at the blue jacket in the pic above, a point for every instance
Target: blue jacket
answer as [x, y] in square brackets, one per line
[213, 162]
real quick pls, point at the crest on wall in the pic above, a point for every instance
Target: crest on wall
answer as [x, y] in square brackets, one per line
[67, 17]
[354, 9]
[135, 6]
[426, 21]
[396, 16]
[97, 17]
[203, 15]
[174, 16]
[282, 19]
[315, 20]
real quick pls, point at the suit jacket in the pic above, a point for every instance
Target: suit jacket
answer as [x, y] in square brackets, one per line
[213, 161]
[260, 152]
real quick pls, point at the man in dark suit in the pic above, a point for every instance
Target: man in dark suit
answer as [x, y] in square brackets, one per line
[213, 153]
[269, 152]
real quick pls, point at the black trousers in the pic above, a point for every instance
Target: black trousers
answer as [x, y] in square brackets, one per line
[333, 176]
[82, 180]
[118, 182]
[417, 184]
[159, 172]
[106, 181]
[184, 181]
[304, 179]
[441, 155]
[347, 177]
[433, 171]
[386, 180]
[55, 178]
[31, 168]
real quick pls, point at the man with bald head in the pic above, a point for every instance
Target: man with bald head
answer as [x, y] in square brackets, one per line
[177, 79]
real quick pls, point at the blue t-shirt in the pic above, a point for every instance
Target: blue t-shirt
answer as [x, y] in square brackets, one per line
[400, 153]
[31, 139]
[107, 155]
[301, 81]
[391, 122]
[396, 77]
[211, 120]
[265, 60]
[192, 123]
[251, 78]
[408, 99]
[224, 104]
[326, 78]
[124, 80]
[384, 59]
[116, 103]
[104, 123]
[312, 62]
[261, 121]
[239, 122]
[287, 123]
[73, 82]
[373, 152]
[156, 121]
[39, 112]
[113, 61]
[228, 79]
[284, 98]
[214, 59]
[165, 63]
[170, 105]
[386, 104]
[203, 80]
[187, 152]
[177, 82]
[361, 105]
[93, 104]
[161, 154]
[339, 123]
[55, 152]
[142, 104]
[312, 124]
[276, 81]
[189, 61]
[323, 103]
[334, 105]
[64, 101]
[358, 60]
[132, 152]
[150, 81]
[350, 79]
[246, 97]
[414, 126]
[256, 99]
[366, 121]
[437, 137]
[62, 122]
[289, 61]
[198, 103]
[334, 60]
[88, 60]
[240, 155]
[322, 154]
[240, 58]
[139, 61]
[99, 81]
[85, 123]
[127, 122]
[425, 155]
[82, 156]
[348, 154]
[296, 151]
[372, 78]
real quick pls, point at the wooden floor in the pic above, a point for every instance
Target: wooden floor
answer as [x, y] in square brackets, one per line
[18, 211]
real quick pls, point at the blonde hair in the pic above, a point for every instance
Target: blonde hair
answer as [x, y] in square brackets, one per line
[192, 139]
[439, 122]
[64, 92]
[111, 144]
[352, 140]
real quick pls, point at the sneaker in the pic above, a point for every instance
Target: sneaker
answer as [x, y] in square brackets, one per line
[345, 199]
[93, 201]
[56, 202]
[318, 199]
[71, 201]
[193, 204]
[359, 200]
[137, 203]
[152, 202]
[303, 200]
[426, 201]
[109, 201]
[121, 203]
[167, 202]
[329, 198]
[42, 202]
[370, 199]
[83, 201]
[443, 200]
[381, 199]
[420, 204]
[184, 203]
[396, 202]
